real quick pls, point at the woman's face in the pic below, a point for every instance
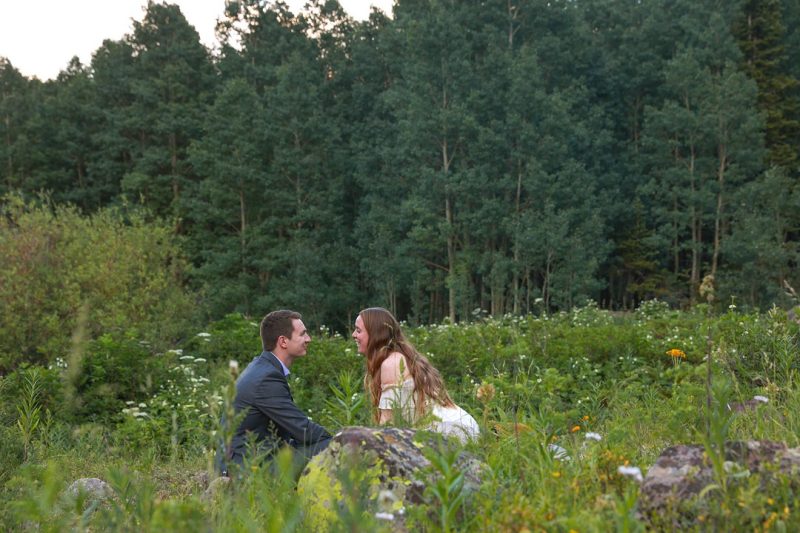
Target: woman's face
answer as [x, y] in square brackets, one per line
[360, 335]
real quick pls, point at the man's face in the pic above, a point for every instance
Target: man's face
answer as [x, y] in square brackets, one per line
[298, 344]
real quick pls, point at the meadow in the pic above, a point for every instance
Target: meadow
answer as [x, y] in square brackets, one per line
[610, 390]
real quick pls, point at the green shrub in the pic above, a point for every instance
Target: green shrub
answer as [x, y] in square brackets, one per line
[124, 269]
[113, 372]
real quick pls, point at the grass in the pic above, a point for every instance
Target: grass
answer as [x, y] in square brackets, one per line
[553, 379]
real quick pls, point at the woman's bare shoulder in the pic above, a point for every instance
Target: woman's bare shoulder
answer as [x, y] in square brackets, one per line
[393, 369]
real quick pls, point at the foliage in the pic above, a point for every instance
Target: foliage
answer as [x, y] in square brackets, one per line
[564, 400]
[53, 261]
[509, 157]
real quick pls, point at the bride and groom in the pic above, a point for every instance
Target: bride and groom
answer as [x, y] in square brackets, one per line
[400, 383]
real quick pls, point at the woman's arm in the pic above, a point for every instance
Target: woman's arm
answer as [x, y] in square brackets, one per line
[393, 373]
[385, 416]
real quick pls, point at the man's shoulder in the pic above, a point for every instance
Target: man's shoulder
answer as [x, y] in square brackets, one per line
[260, 368]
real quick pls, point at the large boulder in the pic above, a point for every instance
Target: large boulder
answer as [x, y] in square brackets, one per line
[682, 472]
[387, 469]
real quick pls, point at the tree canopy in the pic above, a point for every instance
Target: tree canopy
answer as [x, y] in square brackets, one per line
[455, 157]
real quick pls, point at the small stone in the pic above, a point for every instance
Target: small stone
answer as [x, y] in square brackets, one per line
[92, 488]
[215, 487]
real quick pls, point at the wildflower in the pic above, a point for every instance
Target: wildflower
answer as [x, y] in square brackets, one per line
[186, 358]
[177, 351]
[575, 429]
[676, 353]
[384, 516]
[762, 399]
[585, 418]
[556, 474]
[485, 392]
[233, 367]
[593, 436]
[199, 360]
[633, 472]
[204, 334]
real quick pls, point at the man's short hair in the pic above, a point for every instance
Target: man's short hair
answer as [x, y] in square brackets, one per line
[277, 324]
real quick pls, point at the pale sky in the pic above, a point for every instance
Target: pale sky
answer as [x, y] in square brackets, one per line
[40, 37]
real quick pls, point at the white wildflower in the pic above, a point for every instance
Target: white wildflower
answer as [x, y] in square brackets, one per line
[632, 472]
[593, 436]
[177, 351]
[204, 334]
[762, 399]
[199, 360]
[233, 364]
[384, 516]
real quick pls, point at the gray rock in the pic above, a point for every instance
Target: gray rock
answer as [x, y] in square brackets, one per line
[91, 487]
[216, 486]
[396, 473]
[681, 472]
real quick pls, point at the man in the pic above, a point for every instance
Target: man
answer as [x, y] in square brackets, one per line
[272, 419]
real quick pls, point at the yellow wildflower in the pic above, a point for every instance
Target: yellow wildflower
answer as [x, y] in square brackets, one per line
[575, 428]
[585, 418]
[676, 353]
[556, 474]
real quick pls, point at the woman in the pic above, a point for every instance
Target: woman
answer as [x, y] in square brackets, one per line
[400, 380]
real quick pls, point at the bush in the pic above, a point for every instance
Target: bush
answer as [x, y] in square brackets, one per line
[113, 372]
[123, 269]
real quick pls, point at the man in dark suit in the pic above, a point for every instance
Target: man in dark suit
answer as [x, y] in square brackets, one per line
[271, 417]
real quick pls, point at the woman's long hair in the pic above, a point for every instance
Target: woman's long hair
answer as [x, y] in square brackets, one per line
[385, 338]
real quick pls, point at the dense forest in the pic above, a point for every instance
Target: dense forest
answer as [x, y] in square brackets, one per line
[458, 157]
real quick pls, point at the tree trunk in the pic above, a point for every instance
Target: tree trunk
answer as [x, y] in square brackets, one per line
[9, 159]
[173, 149]
[697, 232]
[517, 203]
[723, 163]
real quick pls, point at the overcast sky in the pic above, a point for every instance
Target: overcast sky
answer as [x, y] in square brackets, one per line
[39, 37]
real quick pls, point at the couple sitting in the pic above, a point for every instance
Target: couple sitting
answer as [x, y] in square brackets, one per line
[399, 382]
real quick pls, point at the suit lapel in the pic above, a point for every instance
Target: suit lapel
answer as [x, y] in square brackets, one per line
[273, 360]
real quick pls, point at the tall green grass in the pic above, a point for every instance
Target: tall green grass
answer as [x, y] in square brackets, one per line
[600, 387]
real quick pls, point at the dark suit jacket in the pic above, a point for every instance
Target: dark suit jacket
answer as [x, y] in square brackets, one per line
[272, 416]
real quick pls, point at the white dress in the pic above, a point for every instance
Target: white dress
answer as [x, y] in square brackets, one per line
[449, 421]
